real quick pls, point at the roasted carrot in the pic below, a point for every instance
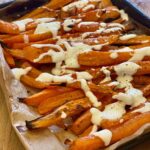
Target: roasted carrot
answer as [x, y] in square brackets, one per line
[38, 98]
[51, 103]
[71, 108]
[31, 37]
[81, 123]
[29, 81]
[128, 128]
[10, 60]
[9, 28]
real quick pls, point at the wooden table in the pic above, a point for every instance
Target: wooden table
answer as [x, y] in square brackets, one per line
[8, 138]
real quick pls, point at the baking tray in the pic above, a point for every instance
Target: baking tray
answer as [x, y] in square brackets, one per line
[22, 7]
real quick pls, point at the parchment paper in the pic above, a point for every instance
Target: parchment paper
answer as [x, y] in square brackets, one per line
[19, 113]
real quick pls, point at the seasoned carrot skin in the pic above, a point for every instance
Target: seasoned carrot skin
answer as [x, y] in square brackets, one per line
[51, 103]
[128, 128]
[9, 28]
[71, 108]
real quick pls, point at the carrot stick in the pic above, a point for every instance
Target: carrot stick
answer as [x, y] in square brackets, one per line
[29, 81]
[51, 103]
[87, 131]
[133, 41]
[38, 98]
[95, 58]
[31, 37]
[30, 53]
[128, 128]
[51, 5]
[141, 80]
[71, 108]
[82, 123]
[10, 60]
[9, 28]
[22, 45]
[34, 73]
[146, 90]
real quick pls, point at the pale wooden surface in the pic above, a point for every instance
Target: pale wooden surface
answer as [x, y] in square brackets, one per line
[10, 141]
[8, 138]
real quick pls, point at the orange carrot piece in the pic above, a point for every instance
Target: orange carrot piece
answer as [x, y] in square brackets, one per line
[51, 103]
[9, 28]
[71, 109]
[128, 128]
[38, 98]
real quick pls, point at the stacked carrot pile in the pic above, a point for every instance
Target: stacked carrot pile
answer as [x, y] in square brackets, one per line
[89, 65]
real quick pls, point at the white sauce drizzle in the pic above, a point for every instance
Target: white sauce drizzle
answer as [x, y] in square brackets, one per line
[52, 27]
[47, 45]
[93, 99]
[125, 71]
[125, 49]
[78, 5]
[86, 23]
[124, 16]
[90, 6]
[49, 78]
[132, 96]
[116, 25]
[144, 109]
[19, 72]
[109, 30]
[69, 23]
[63, 115]
[94, 129]
[127, 37]
[44, 20]
[139, 54]
[55, 56]
[26, 38]
[84, 75]
[112, 111]
[103, 24]
[22, 24]
[114, 55]
[105, 135]
[107, 74]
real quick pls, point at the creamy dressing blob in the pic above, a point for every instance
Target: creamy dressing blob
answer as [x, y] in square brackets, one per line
[93, 99]
[112, 111]
[69, 23]
[127, 37]
[143, 109]
[90, 6]
[52, 27]
[139, 54]
[19, 72]
[107, 74]
[105, 135]
[22, 24]
[132, 96]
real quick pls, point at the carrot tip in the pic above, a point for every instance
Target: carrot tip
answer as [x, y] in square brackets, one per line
[21, 99]
[29, 125]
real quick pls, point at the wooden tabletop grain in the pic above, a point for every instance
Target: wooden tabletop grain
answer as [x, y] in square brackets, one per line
[8, 138]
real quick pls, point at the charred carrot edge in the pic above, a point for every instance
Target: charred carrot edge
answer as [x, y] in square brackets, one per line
[71, 108]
